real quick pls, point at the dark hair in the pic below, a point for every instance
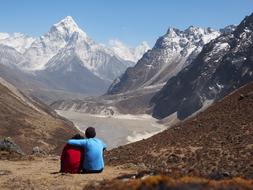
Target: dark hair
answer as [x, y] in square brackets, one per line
[77, 136]
[90, 132]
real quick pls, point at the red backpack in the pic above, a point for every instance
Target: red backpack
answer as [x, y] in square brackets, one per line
[72, 159]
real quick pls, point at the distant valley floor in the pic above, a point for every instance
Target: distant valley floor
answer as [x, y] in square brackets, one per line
[118, 129]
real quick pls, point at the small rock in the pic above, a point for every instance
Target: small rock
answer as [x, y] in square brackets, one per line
[38, 151]
[173, 158]
[5, 172]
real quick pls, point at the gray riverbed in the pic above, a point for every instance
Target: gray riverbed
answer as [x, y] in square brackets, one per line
[117, 130]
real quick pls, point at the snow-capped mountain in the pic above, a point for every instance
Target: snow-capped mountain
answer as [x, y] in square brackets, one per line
[64, 40]
[223, 65]
[64, 59]
[228, 29]
[18, 41]
[9, 56]
[128, 53]
[66, 37]
[48, 45]
[97, 59]
[172, 52]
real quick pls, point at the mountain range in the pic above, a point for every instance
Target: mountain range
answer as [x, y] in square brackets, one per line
[133, 90]
[65, 60]
[185, 72]
[172, 52]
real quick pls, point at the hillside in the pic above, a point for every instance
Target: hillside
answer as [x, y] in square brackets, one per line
[215, 143]
[30, 123]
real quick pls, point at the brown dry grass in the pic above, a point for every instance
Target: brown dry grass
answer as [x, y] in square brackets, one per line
[184, 183]
[30, 128]
[216, 143]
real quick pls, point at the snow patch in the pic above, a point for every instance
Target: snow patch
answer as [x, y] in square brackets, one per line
[140, 136]
[220, 46]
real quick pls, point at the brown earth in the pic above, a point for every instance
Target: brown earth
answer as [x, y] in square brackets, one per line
[30, 123]
[42, 173]
[217, 143]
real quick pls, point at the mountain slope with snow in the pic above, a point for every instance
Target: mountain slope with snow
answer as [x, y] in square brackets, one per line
[97, 59]
[18, 41]
[172, 52]
[223, 65]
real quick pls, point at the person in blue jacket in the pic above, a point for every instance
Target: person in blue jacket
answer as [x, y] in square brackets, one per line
[93, 151]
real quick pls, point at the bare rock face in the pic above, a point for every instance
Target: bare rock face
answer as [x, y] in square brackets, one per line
[223, 65]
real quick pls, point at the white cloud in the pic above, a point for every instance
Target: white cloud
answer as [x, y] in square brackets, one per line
[128, 53]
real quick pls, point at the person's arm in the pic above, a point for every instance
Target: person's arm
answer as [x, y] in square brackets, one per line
[104, 145]
[75, 142]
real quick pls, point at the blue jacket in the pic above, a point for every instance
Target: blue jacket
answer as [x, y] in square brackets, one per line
[93, 152]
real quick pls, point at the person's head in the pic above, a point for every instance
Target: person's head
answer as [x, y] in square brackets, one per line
[77, 136]
[90, 132]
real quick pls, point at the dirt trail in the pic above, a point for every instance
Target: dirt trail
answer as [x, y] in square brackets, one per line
[42, 173]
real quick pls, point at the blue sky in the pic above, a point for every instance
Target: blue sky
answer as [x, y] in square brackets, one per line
[130, 21]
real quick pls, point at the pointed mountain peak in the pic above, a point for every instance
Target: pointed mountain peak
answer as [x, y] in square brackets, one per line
[68, 24]
[68, 20]
[66, 28]
[172, 30]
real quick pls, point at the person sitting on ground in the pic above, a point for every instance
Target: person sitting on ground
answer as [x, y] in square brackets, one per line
[93, 151]
[72, 157]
